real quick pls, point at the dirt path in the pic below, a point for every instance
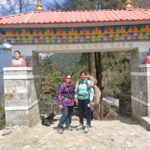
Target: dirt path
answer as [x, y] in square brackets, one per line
[121, 134]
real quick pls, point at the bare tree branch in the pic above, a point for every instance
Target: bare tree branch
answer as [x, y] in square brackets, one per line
[17, 6]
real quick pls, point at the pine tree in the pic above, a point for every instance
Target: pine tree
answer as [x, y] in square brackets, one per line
[70, 5]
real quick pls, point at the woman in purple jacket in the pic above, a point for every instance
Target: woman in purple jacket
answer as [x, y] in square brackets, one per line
[65, 96]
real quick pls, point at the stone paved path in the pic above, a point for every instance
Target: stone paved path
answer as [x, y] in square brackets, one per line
[121, 134]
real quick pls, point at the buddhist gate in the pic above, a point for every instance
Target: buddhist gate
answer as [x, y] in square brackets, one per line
[70, 32]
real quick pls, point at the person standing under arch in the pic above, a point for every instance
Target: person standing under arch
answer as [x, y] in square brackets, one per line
[84, 95]
[65, 96]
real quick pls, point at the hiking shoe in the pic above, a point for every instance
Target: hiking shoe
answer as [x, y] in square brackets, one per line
[79, 127]
[86, 129]
[69, 128]
[60, 131]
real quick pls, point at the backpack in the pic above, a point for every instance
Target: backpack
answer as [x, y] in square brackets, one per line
[87, 84]
[93, 82]
[97, 95]
[67, 89]
[97, 92]
[58, 87]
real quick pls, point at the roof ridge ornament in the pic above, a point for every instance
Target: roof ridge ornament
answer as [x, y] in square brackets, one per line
[39, 5]
[128, 4]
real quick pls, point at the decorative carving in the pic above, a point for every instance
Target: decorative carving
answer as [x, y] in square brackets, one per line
[128, 3]
[80, 35]
[39, 5]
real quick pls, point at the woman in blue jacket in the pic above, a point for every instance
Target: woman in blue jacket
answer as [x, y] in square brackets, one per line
[84, 94]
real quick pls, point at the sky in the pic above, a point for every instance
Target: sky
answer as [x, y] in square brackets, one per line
[43, 1]
[59, 1]
[3, 2]
[5, 59]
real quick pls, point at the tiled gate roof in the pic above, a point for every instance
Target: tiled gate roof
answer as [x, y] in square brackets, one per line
[69, 17]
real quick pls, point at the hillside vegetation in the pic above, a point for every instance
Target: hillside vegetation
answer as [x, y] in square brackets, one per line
[115, 69]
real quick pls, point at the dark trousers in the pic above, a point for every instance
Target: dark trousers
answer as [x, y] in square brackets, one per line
[83, 110]
[66, 117]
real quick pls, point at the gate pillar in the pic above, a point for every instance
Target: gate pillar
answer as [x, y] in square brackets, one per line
[21, 100]
[140, 91]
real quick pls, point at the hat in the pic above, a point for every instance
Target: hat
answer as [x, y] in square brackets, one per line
[68, 76]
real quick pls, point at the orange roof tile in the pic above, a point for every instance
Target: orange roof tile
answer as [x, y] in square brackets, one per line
[61, 17]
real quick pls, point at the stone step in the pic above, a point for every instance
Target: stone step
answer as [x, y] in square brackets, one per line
[145, 122]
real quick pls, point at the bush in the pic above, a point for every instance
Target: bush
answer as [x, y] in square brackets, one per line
[48, 105]
[109, 113]
[2, 116]
[2, 111]
[105, 108]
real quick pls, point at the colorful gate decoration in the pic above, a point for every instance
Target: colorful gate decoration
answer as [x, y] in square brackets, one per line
[76, 34]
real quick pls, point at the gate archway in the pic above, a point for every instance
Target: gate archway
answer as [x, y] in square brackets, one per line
[84, 31]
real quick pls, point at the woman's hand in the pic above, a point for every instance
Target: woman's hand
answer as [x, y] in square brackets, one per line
[76, 101]
[60, 107]
[90, 104]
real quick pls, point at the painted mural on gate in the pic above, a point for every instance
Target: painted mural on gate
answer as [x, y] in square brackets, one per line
[21, 36]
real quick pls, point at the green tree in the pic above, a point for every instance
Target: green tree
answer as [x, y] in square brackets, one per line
[2, 111]
[141, 3]
[109, 4]
[116, 70]
[69, 5]
[53, 5]
[2, 116]
[49, 77]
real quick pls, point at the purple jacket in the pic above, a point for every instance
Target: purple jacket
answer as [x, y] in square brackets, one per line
[65, 94]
